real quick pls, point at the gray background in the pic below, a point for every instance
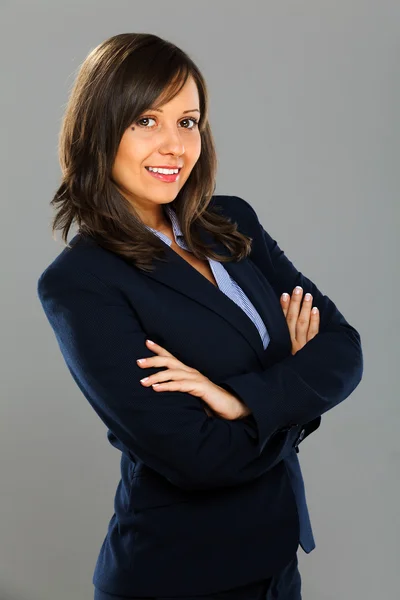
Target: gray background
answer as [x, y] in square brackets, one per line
[305, 110]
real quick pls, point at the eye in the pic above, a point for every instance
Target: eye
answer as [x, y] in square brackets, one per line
[139, 122]
[144, 119]
[194, 121]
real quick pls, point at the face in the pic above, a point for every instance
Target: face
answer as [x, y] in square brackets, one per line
[157, 139]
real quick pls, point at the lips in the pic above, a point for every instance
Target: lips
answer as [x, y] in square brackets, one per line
[165, 178]
[151, 166]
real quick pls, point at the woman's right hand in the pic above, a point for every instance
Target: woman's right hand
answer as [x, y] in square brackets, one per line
[302, 323]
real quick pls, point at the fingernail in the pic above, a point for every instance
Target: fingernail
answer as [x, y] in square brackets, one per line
[307, 296]
[141, 360]
[285, 296]
[150, 342]
[297, 289]
[144, 379]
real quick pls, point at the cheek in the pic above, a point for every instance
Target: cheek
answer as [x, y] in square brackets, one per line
[119, 169]
[129, 155]
[127, 162]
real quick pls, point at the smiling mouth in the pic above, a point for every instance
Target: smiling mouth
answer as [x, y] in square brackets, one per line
[150, 167]
[165, 178]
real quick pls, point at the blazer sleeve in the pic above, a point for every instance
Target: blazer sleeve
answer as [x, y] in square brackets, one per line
[301, 387]
[100, 337]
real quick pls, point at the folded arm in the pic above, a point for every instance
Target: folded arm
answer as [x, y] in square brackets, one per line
[322, 374]
[100, 338]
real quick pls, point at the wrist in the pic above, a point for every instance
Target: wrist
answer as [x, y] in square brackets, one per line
[243, 410]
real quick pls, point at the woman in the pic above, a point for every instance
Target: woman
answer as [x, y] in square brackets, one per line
[211, 502]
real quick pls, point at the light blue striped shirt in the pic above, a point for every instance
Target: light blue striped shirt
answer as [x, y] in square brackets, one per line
[228, 286]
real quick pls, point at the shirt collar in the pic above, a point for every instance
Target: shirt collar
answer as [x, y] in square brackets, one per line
[175, 226]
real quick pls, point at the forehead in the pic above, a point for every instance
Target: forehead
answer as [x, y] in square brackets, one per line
[188, 96]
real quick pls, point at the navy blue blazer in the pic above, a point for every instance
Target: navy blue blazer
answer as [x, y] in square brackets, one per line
[204, 504]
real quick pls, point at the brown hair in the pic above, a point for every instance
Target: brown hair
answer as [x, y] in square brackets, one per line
[119, 79]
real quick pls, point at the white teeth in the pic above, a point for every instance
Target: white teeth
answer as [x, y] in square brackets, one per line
[163, 171]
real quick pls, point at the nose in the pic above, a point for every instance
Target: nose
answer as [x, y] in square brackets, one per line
[172, 142]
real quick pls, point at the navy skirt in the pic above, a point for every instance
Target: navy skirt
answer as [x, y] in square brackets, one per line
[285, 585]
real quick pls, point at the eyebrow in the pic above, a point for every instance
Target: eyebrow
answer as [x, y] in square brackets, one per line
[184, 112]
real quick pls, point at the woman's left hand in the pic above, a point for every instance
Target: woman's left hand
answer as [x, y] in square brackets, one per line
[180, 378]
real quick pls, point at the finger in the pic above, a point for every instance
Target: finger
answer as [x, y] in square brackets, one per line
[169, 374]
[180, 385]
[314, 325]
[303, 322]
[157, 348]
[163, 361]
[293, 311]
[285, 299]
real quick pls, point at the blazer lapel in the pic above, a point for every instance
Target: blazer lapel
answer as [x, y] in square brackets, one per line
[178, 274]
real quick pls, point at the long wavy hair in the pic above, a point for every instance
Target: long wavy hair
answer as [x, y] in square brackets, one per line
[119, 79]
